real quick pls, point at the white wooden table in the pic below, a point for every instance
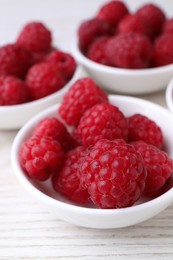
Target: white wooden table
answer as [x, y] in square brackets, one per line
[28, 231]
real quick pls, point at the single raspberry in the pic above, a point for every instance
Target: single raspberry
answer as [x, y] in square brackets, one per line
[102, 121]
[129, 50]
[159, 166]
[89, 31]
[83, 94]
[96, 51]
[52, 127]
[163, 50]
[14, 60]
[142, 128]
[40, 157]
[67, 181]
[112, 12]
[35, 37]
[115, 176]
[153, 17]
[132, 23]
[13, 91]
[64, 63]
[168, 26]
[43, 79]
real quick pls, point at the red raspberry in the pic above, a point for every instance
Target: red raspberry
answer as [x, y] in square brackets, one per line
[153, 17]
[13, 91]
[168, 26]
[43, 80]
[64, 63]
[159, 166]
[67, 181]
[14, 60]
[102, 121]
[115, 176]
[35, 37]
[91, 30]
[83, 94]
[132, 23]
[141, 128]
[163, 50]
[52, 127]
[129, 50]
[112, 12]
[96, 51]
[40, 157]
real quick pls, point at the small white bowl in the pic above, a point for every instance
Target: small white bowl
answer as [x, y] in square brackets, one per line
[125, 81]
[15, 116]
[92, 217]
[169, 95]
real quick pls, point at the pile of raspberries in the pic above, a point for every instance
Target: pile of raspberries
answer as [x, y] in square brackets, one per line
[118, 38]
[93, 153]
[31, 68]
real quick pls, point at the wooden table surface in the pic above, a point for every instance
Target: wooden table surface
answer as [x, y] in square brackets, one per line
[28, 231]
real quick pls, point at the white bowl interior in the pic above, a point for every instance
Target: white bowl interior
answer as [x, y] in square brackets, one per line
[14, 117]
[169, 95]
[88, 216]
[125, 81]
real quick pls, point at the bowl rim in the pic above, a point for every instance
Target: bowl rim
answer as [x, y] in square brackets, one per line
[113, 70]
[48, 98]
[50, 200]
[169, 95]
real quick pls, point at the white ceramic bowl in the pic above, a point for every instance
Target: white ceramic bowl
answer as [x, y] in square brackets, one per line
[125, 81]
[15, 116]
[169, 95]
[92, 217]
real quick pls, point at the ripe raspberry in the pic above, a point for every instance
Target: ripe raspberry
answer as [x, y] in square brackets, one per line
[163, 50]
[64, 63]
[102, 121]
[67, 181]
[43, 80]
[153, 17]
[159, 166]
[14, 60]
[129, 50]
[96, 51]
[115, 176]
[52, 127]
[168, 26]
[35, 37]
[91, 30]
[83, 94]
[141, 128]
[13, 91]
[40, 157]
[132, 23]
[112, 12]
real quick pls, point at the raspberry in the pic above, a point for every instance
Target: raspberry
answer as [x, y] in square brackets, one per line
[168, 26]
[112, 12]
[129, 50]
[91, 30]
[144, 129]
[40, 157]
[52, 127]
[83, 94]
[102, 121]
[67, 181]
[64, 63]
[43, 80]
[115, 176]
[163, 50]
[14, 60]
[35, 37]
[13, 91]
[132, 23]
[96, 51]
[153, 17]
[159, 166]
